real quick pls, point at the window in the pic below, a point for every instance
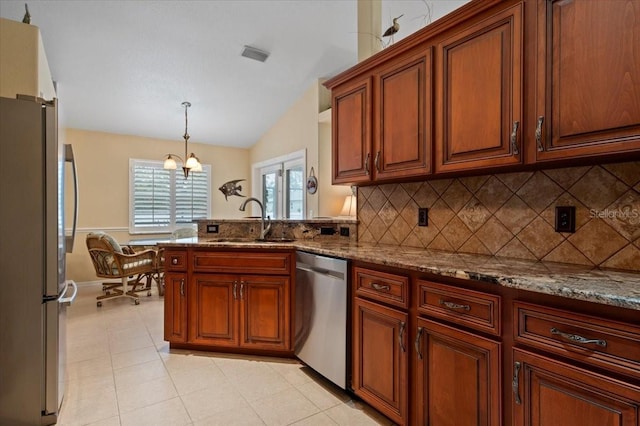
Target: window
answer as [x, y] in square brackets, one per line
[163, 200]
[281, 185]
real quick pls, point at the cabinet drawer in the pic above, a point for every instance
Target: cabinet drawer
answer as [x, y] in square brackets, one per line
[249, 262]
[480, 311]
[381, 286]
[175, 260]
[603, 343]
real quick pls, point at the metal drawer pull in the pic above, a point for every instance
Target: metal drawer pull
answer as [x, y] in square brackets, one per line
[381, 287]
[182, 287]
[235, 290]
[242, 290]
[174, 260]
[401, 336]
[451, 305]
[377, 161]
[515, 383]
[366, 163]
[578, 339]
[417, 342]
[539, 133]
[514, 138]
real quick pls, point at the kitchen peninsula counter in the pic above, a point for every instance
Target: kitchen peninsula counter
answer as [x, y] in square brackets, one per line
[609, 287]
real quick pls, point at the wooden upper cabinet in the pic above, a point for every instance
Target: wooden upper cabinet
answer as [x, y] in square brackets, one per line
[479, 106]
[403, 117]
[588, 78]
[351, 132]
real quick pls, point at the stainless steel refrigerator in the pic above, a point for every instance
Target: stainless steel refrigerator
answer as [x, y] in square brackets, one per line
[34, 293]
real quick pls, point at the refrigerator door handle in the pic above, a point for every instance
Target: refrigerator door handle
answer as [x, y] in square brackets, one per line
[66, 301]
[69, 157]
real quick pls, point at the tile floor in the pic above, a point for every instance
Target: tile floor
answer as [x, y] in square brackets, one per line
[121, 372]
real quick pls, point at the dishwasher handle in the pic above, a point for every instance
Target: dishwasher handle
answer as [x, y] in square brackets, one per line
[315, 270]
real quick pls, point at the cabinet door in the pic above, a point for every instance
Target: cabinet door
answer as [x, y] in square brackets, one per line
[380, 358]
[175, 307]
[549, 392]
[265, 312]
[402, 121]
[351, 132]
[480, 95]
[213, 309]
[457, 377]
[588, 78]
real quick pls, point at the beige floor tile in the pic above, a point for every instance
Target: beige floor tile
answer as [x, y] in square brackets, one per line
[139, 373]
[212, 400]
[323, 394]
[134, 357]
[84, 411]
[91, 367]
[139, 395]
[188, 380]
[169, 413]
[284, 407]
[244, 416]
[111, 421]
[177, 359]
[356, 414]
[259, 382]
[293, 372]
[234, 365]
[89, 387]
[316, 420]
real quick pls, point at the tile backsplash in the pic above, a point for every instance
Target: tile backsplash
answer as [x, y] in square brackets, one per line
[513, 215]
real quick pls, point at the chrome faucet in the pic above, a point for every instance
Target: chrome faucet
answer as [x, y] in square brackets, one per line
[263, 230]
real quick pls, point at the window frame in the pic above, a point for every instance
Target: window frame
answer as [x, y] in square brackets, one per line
[282, 164]
[176, 174]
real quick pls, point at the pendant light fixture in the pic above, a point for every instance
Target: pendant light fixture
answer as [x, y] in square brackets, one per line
[190, 163]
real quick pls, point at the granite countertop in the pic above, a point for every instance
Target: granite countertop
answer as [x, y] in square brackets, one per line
[609, 287]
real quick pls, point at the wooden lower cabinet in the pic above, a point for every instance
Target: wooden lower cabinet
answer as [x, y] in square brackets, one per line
[457, 378]
[380, 358]
[175, 307]
[550, 392]
[239, 311]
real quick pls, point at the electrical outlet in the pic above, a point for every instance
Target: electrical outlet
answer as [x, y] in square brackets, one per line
[423, 216]
[565, 219]
[212, 229]
[344, 231]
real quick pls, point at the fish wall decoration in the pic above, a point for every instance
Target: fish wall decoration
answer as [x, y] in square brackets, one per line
[232, 188]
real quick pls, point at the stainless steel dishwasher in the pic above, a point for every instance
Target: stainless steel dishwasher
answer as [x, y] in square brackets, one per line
[321, 315]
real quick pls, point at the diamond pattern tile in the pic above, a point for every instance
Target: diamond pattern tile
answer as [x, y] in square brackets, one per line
[629, 172]
[567, 253]
[456, 232]
[440, 214]
[567, 176]
[597, 240]
[514, 181]
[456, 196]
[474, 214]
[623, 215]
[515, 249]
[539, 237]
[598, 188]
[399, 198]
[539, 192]
[515, 214]
[628, 258]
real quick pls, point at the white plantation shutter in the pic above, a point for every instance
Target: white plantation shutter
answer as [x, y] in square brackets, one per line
[163, 200]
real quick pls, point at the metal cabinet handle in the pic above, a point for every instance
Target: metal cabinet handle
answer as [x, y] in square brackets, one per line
[174, 260]
[235, 290]
[242, 283]
[182, 287]
[366, 163]
[417, 342]
[381, 287]
[514, 138]
[377, 161]
[403, 325]
[578, 339]
[452, 305]
[539, 133]
[515, 384]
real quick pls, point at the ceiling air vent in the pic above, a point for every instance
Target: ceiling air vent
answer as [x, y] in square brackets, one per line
[254, 53]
